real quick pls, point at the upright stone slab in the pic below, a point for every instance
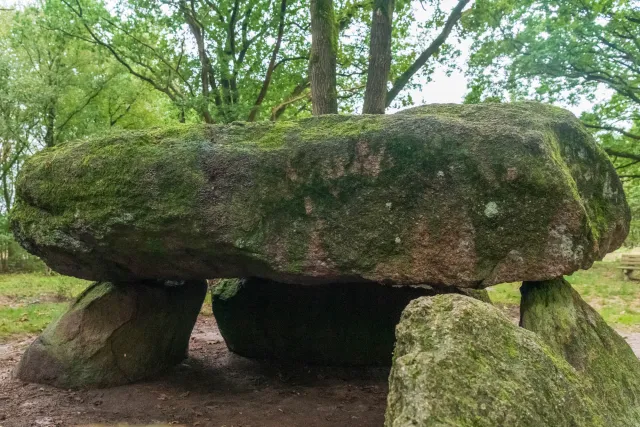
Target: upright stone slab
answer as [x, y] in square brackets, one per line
[336, 324]
[115, 334]
[558, 315]
[460, 362]
[452, 195]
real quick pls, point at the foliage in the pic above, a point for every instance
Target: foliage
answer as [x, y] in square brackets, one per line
[13, 258]
[570, 51]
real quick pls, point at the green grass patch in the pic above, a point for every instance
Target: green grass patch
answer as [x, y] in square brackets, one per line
[29, 302]
[30, 319]
[21, 287]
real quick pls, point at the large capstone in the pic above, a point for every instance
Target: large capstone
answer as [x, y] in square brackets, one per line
[334, 324]
[115, 334]
[462, 195]
[460, 362]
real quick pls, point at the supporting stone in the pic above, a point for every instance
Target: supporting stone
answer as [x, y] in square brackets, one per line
[335, 324]
[556, 312]
[115, 334]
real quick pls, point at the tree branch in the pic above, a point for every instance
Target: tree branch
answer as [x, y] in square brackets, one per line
[296, 95]
[272, 64]
[404, 78]
[84, 104]
[622, 154]
[614, 129]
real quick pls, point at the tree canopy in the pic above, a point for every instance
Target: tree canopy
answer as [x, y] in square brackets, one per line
[565, 51]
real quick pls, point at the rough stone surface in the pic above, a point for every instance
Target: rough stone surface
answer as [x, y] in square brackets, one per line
[115, 334]
[557, 314]
[460, 362]
[463, 195]
[335, 324]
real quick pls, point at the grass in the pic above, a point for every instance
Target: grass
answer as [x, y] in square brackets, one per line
[28, 302]
[30, 319]
[618, 301]
[28, 286]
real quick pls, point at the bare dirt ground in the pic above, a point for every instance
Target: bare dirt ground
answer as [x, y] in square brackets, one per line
[211, 388]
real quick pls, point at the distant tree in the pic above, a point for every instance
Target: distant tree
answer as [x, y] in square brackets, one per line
[53, 88]
[565, 50]
[229, 78]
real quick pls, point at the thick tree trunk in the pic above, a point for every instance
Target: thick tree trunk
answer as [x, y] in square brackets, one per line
[379, 57]
[322, 64]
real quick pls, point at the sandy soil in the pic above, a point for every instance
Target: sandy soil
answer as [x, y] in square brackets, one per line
[212, 388]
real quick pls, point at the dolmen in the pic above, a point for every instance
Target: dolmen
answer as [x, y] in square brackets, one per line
[330, 231]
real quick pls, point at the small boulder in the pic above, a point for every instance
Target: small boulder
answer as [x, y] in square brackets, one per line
[335, 324]
[115, 334]
[461, 362]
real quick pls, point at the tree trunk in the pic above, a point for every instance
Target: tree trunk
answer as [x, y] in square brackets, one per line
[322, 64]
[6, 193]
[50, 123]
[196, 31]
[379, 57]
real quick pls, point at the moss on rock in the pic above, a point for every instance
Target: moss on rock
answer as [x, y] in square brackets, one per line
[609, 368]
[464, 195]
[461, 362]
[335, 324]
[115, 334]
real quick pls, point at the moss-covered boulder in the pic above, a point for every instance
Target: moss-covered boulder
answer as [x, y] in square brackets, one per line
[556, 313]
[463, 195]
[115, 334]
[335, 324]
[461, 362]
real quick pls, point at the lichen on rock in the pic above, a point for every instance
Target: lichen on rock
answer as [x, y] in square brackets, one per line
[459, 362]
